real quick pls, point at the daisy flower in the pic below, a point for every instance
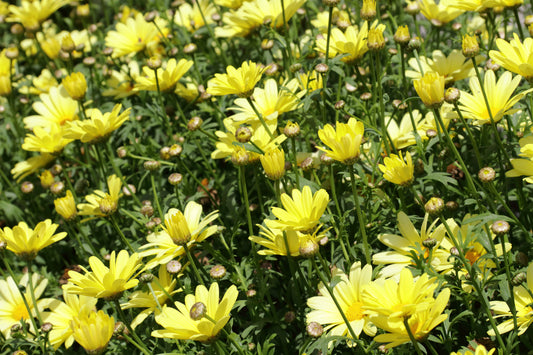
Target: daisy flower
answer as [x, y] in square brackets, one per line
[240, 81]
[55, 108]
[515, 56]
[131, 37]
[102, 204]
[397, 170]
[32, 13]
[167, 77]
[348, 292]
[93, 331]
[344, 140]
[188, 320]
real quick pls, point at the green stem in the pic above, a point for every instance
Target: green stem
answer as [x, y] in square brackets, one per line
[193, 264]
[122, 236]
[246, 202]
[260, 117]
[139, 343]
[411, 336]
[156, 197]
[360, 217]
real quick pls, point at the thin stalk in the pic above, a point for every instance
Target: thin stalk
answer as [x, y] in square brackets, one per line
[242, 179]
[156, 197]
[360, 217]
[329, 34]
[164, 115]
[411, 336]
[193, 264]
[139, 343]
[260, 117]
[122, 236]
[470, 135]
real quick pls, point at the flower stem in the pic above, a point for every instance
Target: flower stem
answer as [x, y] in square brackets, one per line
[139, 343]
[193, 264]
[122, 236]
[246, 202]
[360, 217]
[156, 197]
[411, 336]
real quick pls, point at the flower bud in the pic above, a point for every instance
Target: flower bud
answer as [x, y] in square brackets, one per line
[57, 187]
[11, 52]
[267, 44]
[314, 329]
[470, 46]
[240, 157]
[152, 165]
[339, 105]
[174, 266]
[500, 227]
[452, 95]
[67, 44]
[321, 68]
[26, 187]
[46, 327]
[434, 206]
[175, 150]
[412, 8]
[429, 243]
[375, 40]
[47, 179]
[486, 174]
[251, 293]
[217, 272]
[308, 247]
[75, 85]
[175, 179]
[198, 311]
[368, 10]
[307, 164]
[122, 152]
[83, 10]
[289, 317]
[402, 36]
[330, 3]
[146, 278]
[164, 153]
[295, 67]
[154, 63]
[147, 211]
[414, 44]
[518, 279]
[292, 129]
[366, 96]
[195, 123]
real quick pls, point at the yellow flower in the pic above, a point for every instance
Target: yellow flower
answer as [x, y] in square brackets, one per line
[192, 17]
[121, 83]
[99, 127]
[276, 240]
[5, 85]
[76, 85]
[515, 56]
[498, 95]
[104, 282]
[47, 179]
[93, 331]
[348, 292]
[420, 323]
[397, 170]
[162, 286]
[55, 108]
[440, 14]
[43, 140]
[411, 242]
[66, 206]
[470, 46]
[102, 204]
[480, 350]
[178, 225]
[301, 212]
[311, 81]
[273, 163]
[167, 77]
[27, 242]
[178, 324]
[524, 312]
[375, 40]
[402, 135]
[32, 13]
[344, 141]
[270, 102]
[31, 165]
[453, 67]
[240, 81]
[63, 313]
[131, 37]
[40, 84]
[430, 89]
[12, 306]
[400, 299]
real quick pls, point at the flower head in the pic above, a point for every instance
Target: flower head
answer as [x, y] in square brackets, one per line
[344, 140]
[453, 67]
[273, 163]
[498, 93]
[99, 127]
[348, 292]
[55, 108]
[32, 13]
[93, 331]
[27, 242]
[397, 170]
[187, 227]
[439, 14]
[31, 165]
[131, 37]
[515, 56]
[276, 241]
[430, 89]
[51, 140]
[178, 323]
[167, 77]
[66, 206]
[301, 212]
[102, 204]
[240, 81]
[76, 85]
[104, 282]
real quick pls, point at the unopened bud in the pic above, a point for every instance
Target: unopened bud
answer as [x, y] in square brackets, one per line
[251, 293]
[173, 266]
[330, 3]
[500, 227]
[195, 123]
[434, 206]
[146, 278]
[307, 164]
[339, 105]
[122, 152]
[519, 278]
[454, 251]
[152, 165]
[154, 63]
[429, 243]
[11, 52]
[240, 157]
[452, 206]
[57, 187]
[452, 95]
[26, 187]
[412, 8]
[321, 68]
[190, 48]
[487, 174]
[267, 44]
[314, 329]
[414, 44]
[175, 150]
[46, 327]
[147, 211]
[295, 67]
[308, 247]
[368, 10]
[217, 272]
[402, 36]
[175, 179]
[198, 311]
[243, 134]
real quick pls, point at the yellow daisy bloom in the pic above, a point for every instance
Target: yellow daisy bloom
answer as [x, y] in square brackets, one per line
[270, 102]
[191, 17]
[276, 240]
[397, 170]
[310, 81]
[27, 242]
[93, 331]
[131, 37]
[348, 292]
[273, 163]
[66, 206]
[515, 56]
[99, 127]
[300, 213]
[104, 282]
[240, 81]
[440, 14]
[167, 77]
[523, 301]
[32, 13]
[12, 307]
[410, 241]
[453, 67]
[178, 324]
[31, 165]
[420, 323]
[430, 89]
[339, 18]
[51, 140]
[55, 108]
[179, 226]
[162, 287]
[400, 299]
[122, 83]
[480, 350]
[63, 313]
[102, 204]
[39, 84]
[498, 95]
[75, 84]
[402, 135]
[344, 140]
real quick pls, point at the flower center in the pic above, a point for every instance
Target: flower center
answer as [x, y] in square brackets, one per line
[355, 311]
[472, 256]
[20, 312]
